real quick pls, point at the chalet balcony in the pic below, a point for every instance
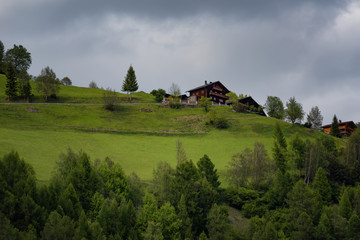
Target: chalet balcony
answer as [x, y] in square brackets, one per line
[217, 89]
[218, 95]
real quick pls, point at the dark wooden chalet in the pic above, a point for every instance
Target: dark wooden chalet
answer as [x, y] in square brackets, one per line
[346, 128]
[249, 101]
[216, 91]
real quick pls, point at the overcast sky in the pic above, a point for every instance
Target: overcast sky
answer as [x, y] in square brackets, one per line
[306, 49]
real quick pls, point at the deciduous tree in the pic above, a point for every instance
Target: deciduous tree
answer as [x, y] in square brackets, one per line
[19, 58]
[66, 81]
[315, 118]
[159, 94]
[294, 111]
[47, 83]
[274, 107]
[205, 103]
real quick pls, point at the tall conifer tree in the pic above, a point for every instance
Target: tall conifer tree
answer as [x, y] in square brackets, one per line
[11, 83]
[130, 83]
[334, 130]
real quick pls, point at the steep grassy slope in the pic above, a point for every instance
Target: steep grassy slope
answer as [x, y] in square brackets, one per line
[136, 138]
[72, 94]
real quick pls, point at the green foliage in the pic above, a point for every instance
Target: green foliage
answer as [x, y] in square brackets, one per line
[136, 189]
[298, 152]
[113, 179]
[207, 170]
[110, 99]
[345, 208]
[233, 98]
[334, 130]
[303, 200]
[47, 84]
[66, 81]
[69, 203]
[238, 168]
[281, 186]
[280, 149]
[170, 223]
[256, 207]
[354, 227]
[274, 107]
[158, 94]
[17, 191]
[304, 228]
[325, 229]
[352, 154]
[322, 186]
[130, 83]
[205, 103]
[153, 232]
[240, 107]
[217, 120]
[58, 227]
[250, 167]
[19, 58]
[162, 178]
[279, 137]
[2, 54]
[294, 112]
[180, 153]
[25, 86]
[11, 83]
[217, 223]
[237, 197]
[118, 220]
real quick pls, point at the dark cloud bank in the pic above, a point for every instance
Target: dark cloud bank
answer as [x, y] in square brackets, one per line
[306, 49]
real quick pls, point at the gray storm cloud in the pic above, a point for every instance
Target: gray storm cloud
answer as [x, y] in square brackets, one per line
[306, 49]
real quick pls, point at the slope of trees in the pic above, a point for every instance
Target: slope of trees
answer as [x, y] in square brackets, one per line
[309, 190]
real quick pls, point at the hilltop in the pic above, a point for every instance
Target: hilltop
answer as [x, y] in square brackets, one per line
[136, 136]
[73, 94]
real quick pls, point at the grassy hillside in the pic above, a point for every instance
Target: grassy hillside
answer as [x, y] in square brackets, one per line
[72, 94]
[137, 136]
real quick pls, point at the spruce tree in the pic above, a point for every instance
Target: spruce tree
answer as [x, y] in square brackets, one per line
[207, 169]
[345, 208]
[2, 54]
[279, 149]
[11, 83]
[334, 130]
[130, 84]
[322, 186]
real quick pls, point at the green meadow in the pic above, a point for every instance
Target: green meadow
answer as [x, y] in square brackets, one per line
[136, 136]
[73, 94]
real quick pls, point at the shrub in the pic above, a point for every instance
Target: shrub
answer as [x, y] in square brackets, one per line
[239, 107]
[110, 98]
[217, 120]
[238, 197]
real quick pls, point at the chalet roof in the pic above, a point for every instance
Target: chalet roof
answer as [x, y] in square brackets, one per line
[251, 101]
[341, 124]
[208, 84]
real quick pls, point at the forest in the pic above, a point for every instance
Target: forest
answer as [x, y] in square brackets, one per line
[302, 190]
